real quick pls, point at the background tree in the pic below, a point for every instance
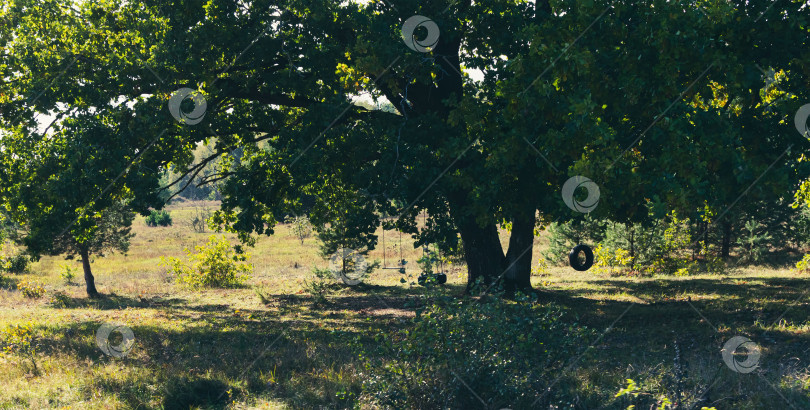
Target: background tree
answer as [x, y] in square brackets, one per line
[67, 196]
[111, 233]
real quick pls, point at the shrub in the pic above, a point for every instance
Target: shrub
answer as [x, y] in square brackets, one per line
[19, 264]
[321, 286]
[31, 290]
[15, 264]
[67, 273]
[19, 340]
[799, 228]
[215, 265]
[803, 266]
[431, 264]
[541, 269]
[632, 245]
[499, 349]
[159, 218]
[60, 299]
[428, 261]
[665, 248]
[611, 262]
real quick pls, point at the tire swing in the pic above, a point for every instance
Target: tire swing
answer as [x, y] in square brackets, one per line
[439, 278]
[573, 258]
[427, 280]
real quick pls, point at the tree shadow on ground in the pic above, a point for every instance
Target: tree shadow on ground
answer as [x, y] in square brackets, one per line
[119, 302]
[700, 316]
[185, 393]
[307, 357]
[719, 298]
[8, 282]
[300, 358]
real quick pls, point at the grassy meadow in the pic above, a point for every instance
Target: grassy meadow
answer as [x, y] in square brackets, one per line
[270, 345]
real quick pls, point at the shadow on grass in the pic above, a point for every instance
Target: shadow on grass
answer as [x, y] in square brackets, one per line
[118, 302]
[307, 357]
[735, 299]
[700, 315]
[185, 393]
[300, 360]
[8, 282]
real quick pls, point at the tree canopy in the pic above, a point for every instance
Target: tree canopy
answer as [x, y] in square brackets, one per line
[666, 105]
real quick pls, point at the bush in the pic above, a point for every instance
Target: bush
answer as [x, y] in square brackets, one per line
[159, 218]
[67, 273]
[19, 264]
[799, 228]
[504, 351]
[665, 248]
[15, 264]
[19, 340]
[60, 299]
[215, 265]
[321, 286]
[31, 290]
[643, 397]
[609, 261]
[803, 266]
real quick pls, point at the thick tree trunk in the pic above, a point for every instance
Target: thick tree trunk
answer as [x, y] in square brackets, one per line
[482, 245]
[519, 255]
[89, 280]
[725, 248]
[482, 252]
[484, 255]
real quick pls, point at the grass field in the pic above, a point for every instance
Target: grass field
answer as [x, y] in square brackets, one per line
[215, 348]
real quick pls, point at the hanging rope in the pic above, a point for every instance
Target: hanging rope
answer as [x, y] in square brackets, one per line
[399, 265]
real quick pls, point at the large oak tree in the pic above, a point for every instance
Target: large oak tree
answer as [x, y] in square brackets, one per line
[661, 103]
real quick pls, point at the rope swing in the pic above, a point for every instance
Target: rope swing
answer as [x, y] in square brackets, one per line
[400, 265]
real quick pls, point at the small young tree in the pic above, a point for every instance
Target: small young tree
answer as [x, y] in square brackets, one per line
[301, 228]
[110, 234]
[63, 192]
[199, 217]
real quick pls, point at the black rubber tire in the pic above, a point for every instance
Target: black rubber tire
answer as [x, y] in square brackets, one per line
[573, 258]
[422, 279]
[441, 278]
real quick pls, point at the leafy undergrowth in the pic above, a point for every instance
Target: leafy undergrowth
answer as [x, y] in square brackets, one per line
[471, 352]
[388, 344]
